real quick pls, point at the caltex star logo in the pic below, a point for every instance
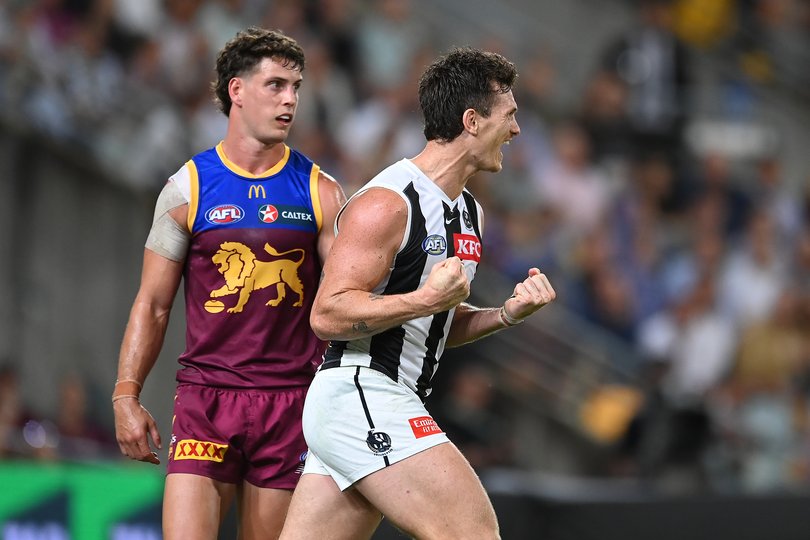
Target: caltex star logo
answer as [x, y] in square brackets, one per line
[268, 213]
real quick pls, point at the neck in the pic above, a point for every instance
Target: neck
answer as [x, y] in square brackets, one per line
[251, 154]
[447, 164]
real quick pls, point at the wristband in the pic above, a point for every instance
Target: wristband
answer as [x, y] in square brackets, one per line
[508, 320]
[127, 387]
[125, 396]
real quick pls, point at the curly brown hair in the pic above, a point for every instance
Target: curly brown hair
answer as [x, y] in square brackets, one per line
[245, 51]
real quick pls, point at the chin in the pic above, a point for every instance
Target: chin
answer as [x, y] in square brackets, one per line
[275, 138]
[495, 168]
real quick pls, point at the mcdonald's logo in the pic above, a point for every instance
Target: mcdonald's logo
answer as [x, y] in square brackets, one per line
[256, 190]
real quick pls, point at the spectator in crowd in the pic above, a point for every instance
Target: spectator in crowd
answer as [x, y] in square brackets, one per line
[82, 436]
[571, 183]
[694, 346]
[763, 406]
[655, 65]
[755, 273]
[13, 415]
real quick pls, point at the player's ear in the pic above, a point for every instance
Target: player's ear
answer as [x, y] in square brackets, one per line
[235, 87]
[470, 121]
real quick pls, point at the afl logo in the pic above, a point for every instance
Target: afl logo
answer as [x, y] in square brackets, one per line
[434, 244]
[224, 213]
[268, 213]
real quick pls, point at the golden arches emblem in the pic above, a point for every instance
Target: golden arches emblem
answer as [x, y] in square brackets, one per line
[257, 190]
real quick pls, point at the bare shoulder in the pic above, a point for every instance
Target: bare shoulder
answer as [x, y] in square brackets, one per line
[330, 189]
[371, 230]
[327, 181]
[376, 209]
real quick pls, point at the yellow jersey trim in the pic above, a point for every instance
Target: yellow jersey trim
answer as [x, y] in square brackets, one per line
[194, 193]
[314, 192]
[242, 172]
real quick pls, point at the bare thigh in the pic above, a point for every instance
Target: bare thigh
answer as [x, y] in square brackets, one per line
[194, 506]
[262, 512]
[320, 510]
[434, 494]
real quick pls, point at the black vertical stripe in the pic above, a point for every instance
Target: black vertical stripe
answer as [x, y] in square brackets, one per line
[452, 226]
[334, 352]
[429, 362]
[472, 210]
[365, 407]
[362, 397]
[385, 348]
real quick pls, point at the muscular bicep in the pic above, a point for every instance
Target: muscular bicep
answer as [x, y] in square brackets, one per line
[371, 231]
[332, 200]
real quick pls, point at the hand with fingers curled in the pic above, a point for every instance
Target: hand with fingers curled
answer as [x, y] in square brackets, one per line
[529, 295]
[447, 285]
[133, 428]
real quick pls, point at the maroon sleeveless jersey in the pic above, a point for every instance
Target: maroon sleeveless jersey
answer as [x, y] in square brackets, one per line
[251, 273]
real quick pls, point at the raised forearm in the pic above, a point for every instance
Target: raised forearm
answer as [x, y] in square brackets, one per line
[357, 314]
[471, 323]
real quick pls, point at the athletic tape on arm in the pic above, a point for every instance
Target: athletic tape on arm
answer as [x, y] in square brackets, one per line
[167, 237]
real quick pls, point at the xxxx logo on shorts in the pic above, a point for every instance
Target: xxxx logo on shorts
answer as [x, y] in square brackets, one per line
[200, 450]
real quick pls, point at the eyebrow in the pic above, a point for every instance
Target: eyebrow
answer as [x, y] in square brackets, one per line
[279, 78]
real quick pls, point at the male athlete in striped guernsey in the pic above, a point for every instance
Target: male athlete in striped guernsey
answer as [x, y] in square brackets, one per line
[247, 225]
[391, 299]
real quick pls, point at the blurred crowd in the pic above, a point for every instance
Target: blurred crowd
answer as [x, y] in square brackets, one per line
[691, 251]
[76, 432]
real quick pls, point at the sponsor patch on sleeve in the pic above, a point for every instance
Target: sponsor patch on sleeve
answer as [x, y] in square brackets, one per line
[423, 426]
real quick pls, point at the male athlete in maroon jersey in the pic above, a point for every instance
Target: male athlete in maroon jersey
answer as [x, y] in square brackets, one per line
[246, 225]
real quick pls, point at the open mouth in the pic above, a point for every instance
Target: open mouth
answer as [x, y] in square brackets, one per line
[284, 119]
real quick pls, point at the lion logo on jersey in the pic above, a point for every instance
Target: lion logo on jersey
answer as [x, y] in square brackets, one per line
[244, 273]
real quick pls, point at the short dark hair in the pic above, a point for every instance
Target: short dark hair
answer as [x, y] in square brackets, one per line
[245, 51]
[465, 78]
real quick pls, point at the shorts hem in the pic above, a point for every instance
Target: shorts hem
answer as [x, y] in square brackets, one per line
[282, 485]
[205, 474]
[365, 471]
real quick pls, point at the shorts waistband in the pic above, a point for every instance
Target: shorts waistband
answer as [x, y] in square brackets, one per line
[335, 362]
[329, 364]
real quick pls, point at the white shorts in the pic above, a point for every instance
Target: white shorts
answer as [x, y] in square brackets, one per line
[358, 421]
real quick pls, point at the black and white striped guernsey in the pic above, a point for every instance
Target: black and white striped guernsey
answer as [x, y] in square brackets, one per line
[437, 228]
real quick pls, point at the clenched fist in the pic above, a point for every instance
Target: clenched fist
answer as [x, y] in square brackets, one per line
[447, 285]
[530, 295]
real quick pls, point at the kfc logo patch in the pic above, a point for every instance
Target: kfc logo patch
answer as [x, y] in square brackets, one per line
[468, 247]
[423, 426]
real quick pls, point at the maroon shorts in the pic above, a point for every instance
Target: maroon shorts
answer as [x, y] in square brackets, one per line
[236, 435]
